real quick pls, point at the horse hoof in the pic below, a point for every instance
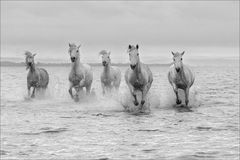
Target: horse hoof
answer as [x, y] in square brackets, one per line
[136, 103]
[142, 102]
[178, 101]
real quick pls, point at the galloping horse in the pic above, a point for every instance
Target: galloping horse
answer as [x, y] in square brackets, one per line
[138, 77]
[81, 75]
[37, 77]
[111, 75]
[180, 77]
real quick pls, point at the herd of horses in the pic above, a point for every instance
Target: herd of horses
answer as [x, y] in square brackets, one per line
[138, 75]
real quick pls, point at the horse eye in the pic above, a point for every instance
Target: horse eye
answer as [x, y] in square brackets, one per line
[181, 58]
[137, 53]
[108, 56]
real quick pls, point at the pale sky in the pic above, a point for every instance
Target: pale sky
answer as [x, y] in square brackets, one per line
[201, 28]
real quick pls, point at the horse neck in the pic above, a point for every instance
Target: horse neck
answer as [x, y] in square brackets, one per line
[138, 69]
[107, 69]
[76, 65]
[33, 68]
[182, 75]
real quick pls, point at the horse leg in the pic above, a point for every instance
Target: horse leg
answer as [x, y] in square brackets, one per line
[88, 89]
[131, 88]
[178, 101]
[33, 92]
[103, 88]
[70, 91]
[144, 92]
[29, 90]
[77, 89]
[186, 96]
[135, 99]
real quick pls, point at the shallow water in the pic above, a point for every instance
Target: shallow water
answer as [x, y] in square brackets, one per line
[55, 126]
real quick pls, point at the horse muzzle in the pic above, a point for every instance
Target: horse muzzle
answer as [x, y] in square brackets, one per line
[133, 66]
[73, 59]
[177, 69]
[104, 63]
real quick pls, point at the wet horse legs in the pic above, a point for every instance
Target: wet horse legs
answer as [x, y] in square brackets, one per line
[186, 96]
[178, 101]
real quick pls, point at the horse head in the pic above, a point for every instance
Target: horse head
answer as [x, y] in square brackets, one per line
[133, 56]
[74, 52]
[177, 60]
[105, 57]
[29, 60]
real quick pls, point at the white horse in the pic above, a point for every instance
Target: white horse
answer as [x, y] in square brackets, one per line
[111, 75]
[81, 75]
[180, 77]
[37, 77]
[138, 77]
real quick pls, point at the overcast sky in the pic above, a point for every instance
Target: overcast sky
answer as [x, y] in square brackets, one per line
[200, 28]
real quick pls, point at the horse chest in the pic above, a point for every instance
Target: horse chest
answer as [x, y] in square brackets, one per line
[107, 80]
[180, 83]
[137, 83]
[75, 79]
[33, 80]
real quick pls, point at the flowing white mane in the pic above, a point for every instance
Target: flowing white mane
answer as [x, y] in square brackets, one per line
[103, 52]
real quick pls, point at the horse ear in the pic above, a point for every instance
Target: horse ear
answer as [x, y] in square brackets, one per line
[79, 46]
[34, 54]
[69, 44]
[137, 46]
[173, 53]
[182, 53]
[129, 46]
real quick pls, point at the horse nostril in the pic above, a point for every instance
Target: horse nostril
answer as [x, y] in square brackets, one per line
[132, 66]
[177, 69]
[104, 63]
[72, 59]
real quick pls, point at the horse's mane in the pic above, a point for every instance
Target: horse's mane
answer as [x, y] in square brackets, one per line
[177, 54]
[103, 52]
[73, 45]
[132, 48]
[27, 53]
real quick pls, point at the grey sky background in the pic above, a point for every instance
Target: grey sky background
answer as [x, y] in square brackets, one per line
[201, 28]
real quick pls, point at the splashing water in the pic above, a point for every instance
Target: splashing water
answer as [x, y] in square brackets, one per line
[97, 127]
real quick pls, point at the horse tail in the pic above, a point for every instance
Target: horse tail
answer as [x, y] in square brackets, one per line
[44, 77]
[150, 75]
[192, 78]
[118, 77]
[169, 77]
